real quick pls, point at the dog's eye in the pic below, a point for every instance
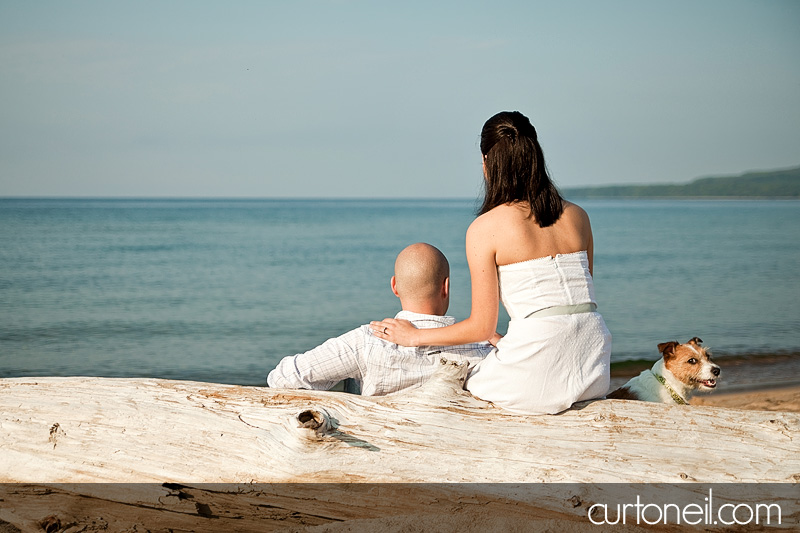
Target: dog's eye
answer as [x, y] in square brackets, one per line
[692, 361]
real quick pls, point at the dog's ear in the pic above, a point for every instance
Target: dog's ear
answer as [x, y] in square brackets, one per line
[667, 348]
[695, 340]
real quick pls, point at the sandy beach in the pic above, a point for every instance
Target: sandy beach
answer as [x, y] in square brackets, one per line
[770, 399]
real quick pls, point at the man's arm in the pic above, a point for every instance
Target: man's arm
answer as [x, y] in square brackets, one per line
[323, 367]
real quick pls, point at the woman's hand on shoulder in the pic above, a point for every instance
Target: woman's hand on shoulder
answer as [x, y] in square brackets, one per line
[396, 330]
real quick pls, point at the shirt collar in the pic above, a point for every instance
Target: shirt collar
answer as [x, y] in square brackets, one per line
[423, 321]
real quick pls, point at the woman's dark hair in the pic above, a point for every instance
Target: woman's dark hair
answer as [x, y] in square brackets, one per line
[515, 169]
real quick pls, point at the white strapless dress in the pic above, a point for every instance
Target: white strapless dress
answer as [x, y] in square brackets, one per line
[545, 364]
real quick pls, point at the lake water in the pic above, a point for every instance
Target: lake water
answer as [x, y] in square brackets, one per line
[220, 290]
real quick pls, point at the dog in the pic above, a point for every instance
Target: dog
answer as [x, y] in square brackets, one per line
[682, 370]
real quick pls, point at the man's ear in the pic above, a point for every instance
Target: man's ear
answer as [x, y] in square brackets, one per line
[394, 286]
[446, 287]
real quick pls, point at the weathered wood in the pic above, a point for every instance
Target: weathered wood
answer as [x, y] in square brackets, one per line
[65, 431]
[148, 430]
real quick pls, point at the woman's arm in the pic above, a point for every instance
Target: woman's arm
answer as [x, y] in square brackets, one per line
[482, 322]
[583, 227]
[587, 232]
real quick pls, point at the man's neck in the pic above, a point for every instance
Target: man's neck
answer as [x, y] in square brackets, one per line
[425, 309]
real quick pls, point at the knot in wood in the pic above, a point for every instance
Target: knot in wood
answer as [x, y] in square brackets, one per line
[317, 421]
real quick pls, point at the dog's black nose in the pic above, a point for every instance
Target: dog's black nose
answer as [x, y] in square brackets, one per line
[715, 371]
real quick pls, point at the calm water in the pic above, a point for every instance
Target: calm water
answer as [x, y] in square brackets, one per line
[220, 290]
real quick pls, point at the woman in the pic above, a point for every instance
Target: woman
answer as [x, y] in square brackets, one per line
[532, 250]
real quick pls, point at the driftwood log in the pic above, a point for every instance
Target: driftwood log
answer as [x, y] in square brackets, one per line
[59, 433]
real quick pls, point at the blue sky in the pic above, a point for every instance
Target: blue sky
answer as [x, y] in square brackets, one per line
[386, 99]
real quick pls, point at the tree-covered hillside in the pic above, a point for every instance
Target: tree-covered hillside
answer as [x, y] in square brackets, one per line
[767, 184]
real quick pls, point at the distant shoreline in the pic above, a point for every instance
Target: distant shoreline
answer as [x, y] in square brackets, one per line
[774, 184]
[711, 198]
[779, 184]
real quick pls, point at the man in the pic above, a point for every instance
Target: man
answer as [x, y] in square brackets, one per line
[422, 282]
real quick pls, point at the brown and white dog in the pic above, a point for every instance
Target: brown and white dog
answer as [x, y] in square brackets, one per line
[682, 370]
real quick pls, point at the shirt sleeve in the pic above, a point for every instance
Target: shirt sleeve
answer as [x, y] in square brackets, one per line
[321, 368]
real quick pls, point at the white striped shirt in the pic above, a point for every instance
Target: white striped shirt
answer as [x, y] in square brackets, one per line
[378, 366]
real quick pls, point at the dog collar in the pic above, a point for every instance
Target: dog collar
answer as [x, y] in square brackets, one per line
[675, 395]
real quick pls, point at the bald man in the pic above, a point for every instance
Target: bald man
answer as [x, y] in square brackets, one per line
[422, 283]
